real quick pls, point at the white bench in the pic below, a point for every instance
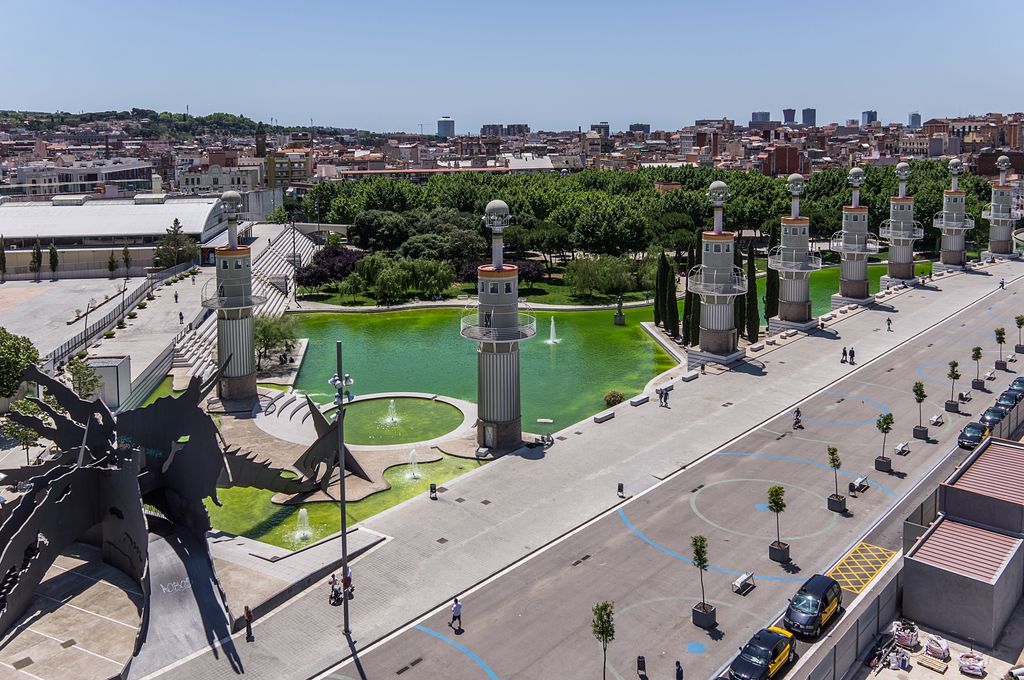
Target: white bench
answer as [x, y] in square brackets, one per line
[1012, 357]
[936, 420]
[859, 484]
[843, 310]
[991, 375]
[770, 340]
[604, 417]
[744, 583]
[640, 400]
[689, 375]
[901, 448]
[756, 347]
[826, 317]
[965, 397]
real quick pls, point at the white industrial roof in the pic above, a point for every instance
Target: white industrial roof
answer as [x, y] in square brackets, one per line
[201, 217]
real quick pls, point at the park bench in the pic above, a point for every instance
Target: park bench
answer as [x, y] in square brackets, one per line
[770, 340]
[604, 417]
[991, 375]
[744, 583]
[859, 484]
[936, 420]
[1012, 357]
[901, 448]
[964, 397]
[639, 400]
[756, 347]
[689, 375]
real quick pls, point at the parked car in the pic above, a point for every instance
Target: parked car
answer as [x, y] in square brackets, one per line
[1007, 399]
[764, 656]
[971, 435]
[1018, 382]
[1016, 390]
[813, 606]
[992, 417]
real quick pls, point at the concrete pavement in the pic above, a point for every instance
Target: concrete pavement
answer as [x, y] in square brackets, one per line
[532, 501]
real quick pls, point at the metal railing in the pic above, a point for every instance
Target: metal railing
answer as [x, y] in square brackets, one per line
[107, 321]
[704, 280]
[489, 326]
[228, 296]
[853, 245]
[906, 230]
[950, 222]
[786, 261]
[1003, 213]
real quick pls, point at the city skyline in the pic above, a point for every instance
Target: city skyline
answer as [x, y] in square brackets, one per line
[346, 73]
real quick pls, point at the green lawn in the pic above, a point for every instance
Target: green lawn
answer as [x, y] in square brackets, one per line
[164, 389]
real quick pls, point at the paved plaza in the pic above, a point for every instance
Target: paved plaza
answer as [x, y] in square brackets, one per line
[634, 552]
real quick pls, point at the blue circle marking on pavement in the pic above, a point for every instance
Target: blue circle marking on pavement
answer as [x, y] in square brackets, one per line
[473, 657]
[800, 460]
[761, 506]
[696, 648]
[922, 372]
[850, 423]
[670, 553]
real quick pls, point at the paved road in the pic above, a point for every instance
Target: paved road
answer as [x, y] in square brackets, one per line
[534, 621]
[499, 514]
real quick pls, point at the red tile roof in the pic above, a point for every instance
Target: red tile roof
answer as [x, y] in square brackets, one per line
[997, 472]
[970, 551]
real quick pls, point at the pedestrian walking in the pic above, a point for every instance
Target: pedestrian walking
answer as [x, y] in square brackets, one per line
[181, 319]
[679, 671]
[334, 596]
[346, 583]
[844, 356]
[888, 324]
[664, 397]
[456, 615]
[193, 279]
[247, 615]
[1002, 284]
[851, 356]
[175, 297]
[661, 396]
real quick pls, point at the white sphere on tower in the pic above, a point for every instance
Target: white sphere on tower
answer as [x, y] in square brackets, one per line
[1003, 163]
[902, 171]
[956, 166]
[496, 214]
[855, 177]
[718, 193]
[796, 184]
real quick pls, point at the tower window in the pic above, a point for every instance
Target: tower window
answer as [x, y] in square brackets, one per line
[238, 264]
[718, 247]
[508, 286]
[224, 264]
[494, 289]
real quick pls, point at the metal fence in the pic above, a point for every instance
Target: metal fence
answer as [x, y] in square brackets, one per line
[84, 337]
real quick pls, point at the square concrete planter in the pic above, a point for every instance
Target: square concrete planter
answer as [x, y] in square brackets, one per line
[778, 552]
[920, 432]
[837, 503]
[704, 616]
[1018, 349]
[952, 406]
[1000, 365]
[977, 383]
[883, 464]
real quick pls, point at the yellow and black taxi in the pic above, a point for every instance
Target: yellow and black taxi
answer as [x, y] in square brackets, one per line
[813, 606]
[764, 656]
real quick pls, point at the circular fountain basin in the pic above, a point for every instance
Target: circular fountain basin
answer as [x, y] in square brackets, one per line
[372, 422]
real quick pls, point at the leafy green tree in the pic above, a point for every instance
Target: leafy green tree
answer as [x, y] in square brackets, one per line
[671, 304]
[603, 629]
[771, 284]
[111, 264]
[753, 316]
[699, 545]
[85, 381]
[25, 436]
[272, 333]
[835, 462]
[953, 374]
[1000, 339]
[352, 285]
[126, 260]
[36, 263]
[1019, 319]
[430, 246]
[976, 358]
[659, 290]
[176, 247]
[16, 353]
[694, 303]
[54, 261]
[390, 286]
[884, 424]
[919, 396]
[739, 307]
[279, 215]
[548, 239]
[777, 505]
[582, 276]
[372, 265]
[3, 260]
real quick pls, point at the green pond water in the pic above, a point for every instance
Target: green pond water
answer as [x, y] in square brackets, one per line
[421, 351]
[415, 420]
[250, 512]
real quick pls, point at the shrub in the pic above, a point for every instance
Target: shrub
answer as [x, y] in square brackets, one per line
[132, 315]
[108, 334]
[613, 398]
[143, 305]
[81, 354]
[121, 324]
[168, 282]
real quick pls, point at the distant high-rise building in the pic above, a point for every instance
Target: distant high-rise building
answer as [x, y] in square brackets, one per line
[601, 128]
[760, 116]
[809, 117]
[788, 116]
[490, 130]
[515, 130]
[640, 127]
[261, 140]
[914, 120]
[868, 117]
[446, 127]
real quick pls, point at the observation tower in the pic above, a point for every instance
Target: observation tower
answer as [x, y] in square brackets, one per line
[497, 326]
[794, 263]
[900, 230]
[953, 221]
[1001, 215]
[854, 244]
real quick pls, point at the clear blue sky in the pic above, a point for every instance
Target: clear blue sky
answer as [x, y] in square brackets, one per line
[557, 64]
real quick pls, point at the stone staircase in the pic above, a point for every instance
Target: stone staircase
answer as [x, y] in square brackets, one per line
[195, 353]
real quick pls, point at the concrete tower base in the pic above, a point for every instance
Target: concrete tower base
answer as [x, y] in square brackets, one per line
[777, 325]
[887, 282]
[842, 301]
[500, 436]
[718, 342]
[952, 257]
[855, 289]
[1000, 247]
[239, 388]
[798, 312]
[901, 270]
[991, 255]
[695, 358]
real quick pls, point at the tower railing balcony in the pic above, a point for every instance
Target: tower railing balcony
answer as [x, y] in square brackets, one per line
[853, 244]
[225, 296]
[901, 230]
[787, 260]
[950, 221]
[1001, 213]
[483, 325]
[704, 280]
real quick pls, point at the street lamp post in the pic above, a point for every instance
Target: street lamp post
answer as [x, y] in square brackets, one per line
[339, 384]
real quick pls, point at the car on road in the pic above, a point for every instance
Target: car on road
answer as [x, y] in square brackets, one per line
[764, 656]
[813, 606]
[1018, 382]
[1007, 399]
[971, 435]
[1016, 390]
[992, 416]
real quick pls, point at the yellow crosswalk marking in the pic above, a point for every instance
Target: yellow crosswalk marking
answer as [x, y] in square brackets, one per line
[859, 566]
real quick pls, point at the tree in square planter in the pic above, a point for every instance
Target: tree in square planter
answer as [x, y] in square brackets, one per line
[777, 551]
[884, 424]
[1000, 339]
[1019, 320]
[952, 405]
[920, 430]
[978, 383]
[603, 628]
[836, 502]
[704, 615]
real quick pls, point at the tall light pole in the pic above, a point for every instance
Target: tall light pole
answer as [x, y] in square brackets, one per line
[339, 382]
